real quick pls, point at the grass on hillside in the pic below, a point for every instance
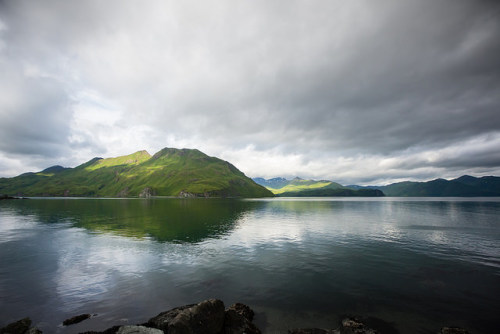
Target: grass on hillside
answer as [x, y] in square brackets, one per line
[299, 187]
[167, 173]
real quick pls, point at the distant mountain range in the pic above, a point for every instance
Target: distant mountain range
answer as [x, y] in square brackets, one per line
[464, 186]
[191, 173]
[169, 172]
[298, 187]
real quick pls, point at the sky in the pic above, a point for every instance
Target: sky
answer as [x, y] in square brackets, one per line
[358, 92]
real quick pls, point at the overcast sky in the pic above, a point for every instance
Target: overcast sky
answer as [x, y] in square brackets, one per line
[365, 92]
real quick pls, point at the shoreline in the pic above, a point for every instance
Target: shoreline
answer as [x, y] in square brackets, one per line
[211, 317]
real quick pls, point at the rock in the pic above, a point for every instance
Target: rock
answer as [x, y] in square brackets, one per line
[147, 193]
[206, 317]
[354, 326]
[76, 319]
[138, 330]
[348, 326]
[163, 320]
[112, 330]
[453, 330]
[243, 310]
[185, 194]
[238, 320]
[18, 327]
[313, 331]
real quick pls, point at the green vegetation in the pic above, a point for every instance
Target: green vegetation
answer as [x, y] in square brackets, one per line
[131, 159]
[462, 186]
[298, 185]
[310, 188]
[331, 192]
[160, 219]
[170, 172]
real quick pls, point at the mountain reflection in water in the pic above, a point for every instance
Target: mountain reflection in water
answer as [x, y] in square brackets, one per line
[418, 264]
[172, 220]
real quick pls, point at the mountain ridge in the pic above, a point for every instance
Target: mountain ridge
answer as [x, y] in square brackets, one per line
[298, 187]
[463, 186]
[169, 172]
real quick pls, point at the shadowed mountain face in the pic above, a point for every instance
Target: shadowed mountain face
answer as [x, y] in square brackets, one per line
[169, 172]
[462, 186]
[274, 183]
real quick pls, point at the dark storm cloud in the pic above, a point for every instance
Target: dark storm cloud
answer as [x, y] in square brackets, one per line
[428, 74]
[36, 107]
[34, 122]
[321, 88]
[423, 73]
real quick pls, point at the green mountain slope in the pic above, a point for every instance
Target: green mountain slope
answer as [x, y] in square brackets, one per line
[333, 192]
[310, 188]
[460, 187]
[298, 184]
[170, 172]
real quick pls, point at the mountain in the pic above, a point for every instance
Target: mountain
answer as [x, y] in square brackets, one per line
[275, 183]
[333, 192]
[169, 172]
[298, 187]
[280, 185]
[464, 186]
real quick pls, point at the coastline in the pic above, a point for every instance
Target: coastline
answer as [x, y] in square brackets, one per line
[211, 317]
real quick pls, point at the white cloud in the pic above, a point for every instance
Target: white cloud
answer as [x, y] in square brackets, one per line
[352, 91]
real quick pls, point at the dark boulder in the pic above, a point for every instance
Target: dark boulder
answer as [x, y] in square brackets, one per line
[76, 319]
[33, 330]
[138, 330]
[242, 310]
[354, 326]
[18, 327]
[313, 331]
[206, 317]
[111, 330]
[238, 320]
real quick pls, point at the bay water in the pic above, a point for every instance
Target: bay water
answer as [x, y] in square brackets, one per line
[406, 265]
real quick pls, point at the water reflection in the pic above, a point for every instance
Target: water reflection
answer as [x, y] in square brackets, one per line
[173, 220]
[414, 263]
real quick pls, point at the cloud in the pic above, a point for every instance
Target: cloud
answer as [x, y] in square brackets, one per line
[34, 113]
[326, 89]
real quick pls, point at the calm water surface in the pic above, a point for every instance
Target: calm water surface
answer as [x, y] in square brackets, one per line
[418, 264]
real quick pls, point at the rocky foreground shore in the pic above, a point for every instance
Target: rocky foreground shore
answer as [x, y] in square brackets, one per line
[206, 317]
